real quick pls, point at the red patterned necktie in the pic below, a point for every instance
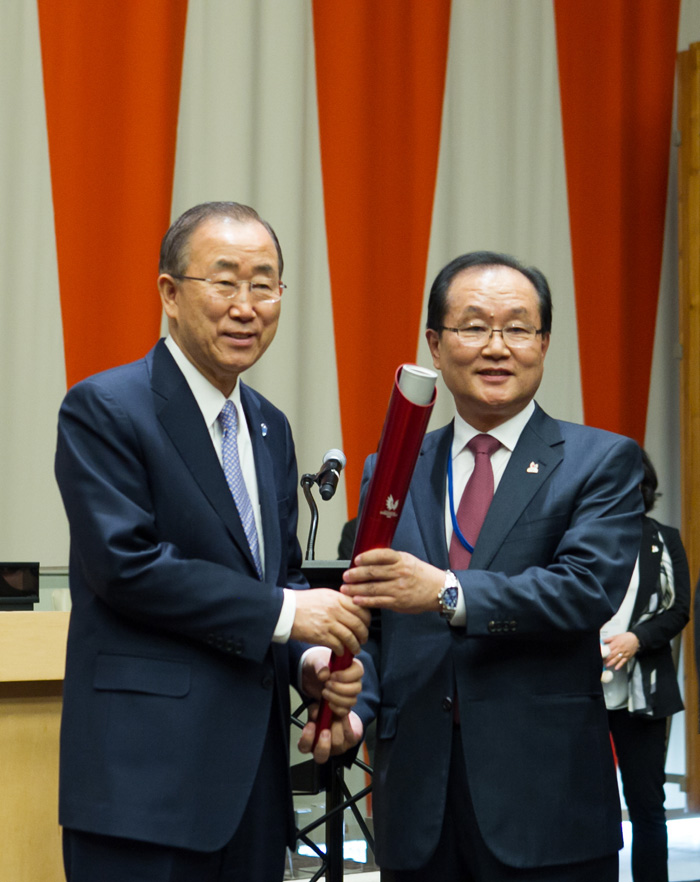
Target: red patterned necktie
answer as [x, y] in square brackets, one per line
[475, 500]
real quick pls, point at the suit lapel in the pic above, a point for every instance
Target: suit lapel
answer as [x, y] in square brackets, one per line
[539, 451]
[650, 555]
[264, 469]
[180, 416]
[428, 493]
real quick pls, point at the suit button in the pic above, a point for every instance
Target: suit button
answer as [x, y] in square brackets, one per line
[447, 703]
[513, 625]
[491, 627]
[238, 647]
[268, 681]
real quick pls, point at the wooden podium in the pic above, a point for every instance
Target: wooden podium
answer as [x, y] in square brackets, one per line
[32, 663]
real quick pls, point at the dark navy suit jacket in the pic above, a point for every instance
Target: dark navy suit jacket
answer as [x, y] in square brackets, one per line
[171, 677]
[551, 565]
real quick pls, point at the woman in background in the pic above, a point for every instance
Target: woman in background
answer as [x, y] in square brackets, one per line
[643, 689]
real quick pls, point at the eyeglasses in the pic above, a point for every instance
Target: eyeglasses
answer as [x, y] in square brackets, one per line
[229, 289]
[515, 336]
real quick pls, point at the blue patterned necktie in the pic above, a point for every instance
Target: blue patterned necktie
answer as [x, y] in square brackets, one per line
[234, 478]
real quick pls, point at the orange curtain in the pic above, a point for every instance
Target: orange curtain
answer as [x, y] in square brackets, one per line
[112, 82]
[380, 74]
[616, 73]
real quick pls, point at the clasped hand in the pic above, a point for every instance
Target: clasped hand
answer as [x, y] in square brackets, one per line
[386, 579]
[325, 617]
[622, 648]
[339, 690]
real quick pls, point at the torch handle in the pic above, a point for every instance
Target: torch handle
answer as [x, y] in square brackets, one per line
[325, 715]
[410, 405]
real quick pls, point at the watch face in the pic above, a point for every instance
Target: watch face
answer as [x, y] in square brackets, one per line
[449, 597]
[448, 601]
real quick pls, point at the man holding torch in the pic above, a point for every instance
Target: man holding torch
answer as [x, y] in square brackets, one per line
[515, 544]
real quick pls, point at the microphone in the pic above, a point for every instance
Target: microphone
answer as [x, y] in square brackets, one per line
[331, 467]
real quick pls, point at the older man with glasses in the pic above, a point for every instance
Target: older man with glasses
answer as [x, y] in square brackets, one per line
[180, 485]
[516, 543]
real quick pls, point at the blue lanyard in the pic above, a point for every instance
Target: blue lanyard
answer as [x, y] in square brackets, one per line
[455, 526]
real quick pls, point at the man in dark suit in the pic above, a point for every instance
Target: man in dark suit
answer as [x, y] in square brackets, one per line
[493, 755]
[186, 630]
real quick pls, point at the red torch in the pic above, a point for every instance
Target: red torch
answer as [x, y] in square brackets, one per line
[410, 406]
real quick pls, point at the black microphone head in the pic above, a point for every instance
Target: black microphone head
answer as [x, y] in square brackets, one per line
[333, 463]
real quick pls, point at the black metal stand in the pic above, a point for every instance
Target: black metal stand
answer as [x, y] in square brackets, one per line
[308, 777]
[307, 482]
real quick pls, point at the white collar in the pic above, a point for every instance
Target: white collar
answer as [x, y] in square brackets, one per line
[507, 433]
[208, 397]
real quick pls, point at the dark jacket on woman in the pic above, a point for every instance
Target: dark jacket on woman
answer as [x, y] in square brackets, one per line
[656, 632]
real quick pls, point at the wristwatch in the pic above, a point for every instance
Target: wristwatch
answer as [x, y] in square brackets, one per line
[447, 598]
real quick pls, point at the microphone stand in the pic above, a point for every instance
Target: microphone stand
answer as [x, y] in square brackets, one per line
[326, 574]
[307, 482]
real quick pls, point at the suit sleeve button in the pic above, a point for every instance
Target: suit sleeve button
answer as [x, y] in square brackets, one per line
[447, 703]
[491, 627]
[513, 625]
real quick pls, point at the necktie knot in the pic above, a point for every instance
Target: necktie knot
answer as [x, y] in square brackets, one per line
[483, 444]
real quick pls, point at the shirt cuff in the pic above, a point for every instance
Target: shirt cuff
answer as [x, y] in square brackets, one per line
[312, 650]
[283, 628]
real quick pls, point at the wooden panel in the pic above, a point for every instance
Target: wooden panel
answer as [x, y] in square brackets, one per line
[689, 335]
[32, 646]
[29, 725]
[32, 661]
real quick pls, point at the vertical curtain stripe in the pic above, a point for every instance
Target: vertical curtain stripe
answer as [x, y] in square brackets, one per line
[111, 83]
[380, 75]
[616, 72]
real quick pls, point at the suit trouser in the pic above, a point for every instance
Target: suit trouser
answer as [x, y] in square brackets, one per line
[463, 856]
[640, 745]
[255, 853]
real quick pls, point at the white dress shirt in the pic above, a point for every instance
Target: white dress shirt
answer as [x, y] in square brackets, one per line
[210, 401]
[508, 434]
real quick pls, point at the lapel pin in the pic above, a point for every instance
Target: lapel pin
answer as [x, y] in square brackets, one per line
[263, 429]
[533, 468]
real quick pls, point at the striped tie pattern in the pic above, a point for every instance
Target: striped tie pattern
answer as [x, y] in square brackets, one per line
[228, 418]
